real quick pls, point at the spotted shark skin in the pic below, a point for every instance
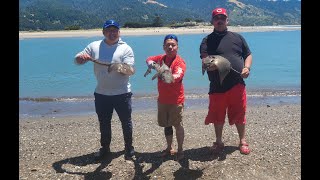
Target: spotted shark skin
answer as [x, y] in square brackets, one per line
[163, 72]
[117, 67]
[222, 64]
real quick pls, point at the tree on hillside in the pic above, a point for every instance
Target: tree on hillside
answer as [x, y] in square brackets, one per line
[157, 22]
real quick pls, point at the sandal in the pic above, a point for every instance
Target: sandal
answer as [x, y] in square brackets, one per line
[217, 147]
[166, 152]
[244, 148]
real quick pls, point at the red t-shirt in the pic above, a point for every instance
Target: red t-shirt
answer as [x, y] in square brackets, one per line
[172, 93]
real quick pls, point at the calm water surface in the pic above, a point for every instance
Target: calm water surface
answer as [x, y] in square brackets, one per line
[50, 84]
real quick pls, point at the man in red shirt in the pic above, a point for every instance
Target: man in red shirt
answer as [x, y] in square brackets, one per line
[171, 95]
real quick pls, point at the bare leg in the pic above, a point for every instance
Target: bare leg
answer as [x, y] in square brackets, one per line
[168, 132]
[180, 136]
[169, 142]
[241, 132]
[243, 146]
[218, 130]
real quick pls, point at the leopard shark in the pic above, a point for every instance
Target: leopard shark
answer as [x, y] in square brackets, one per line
[162, 71]
[123, 68]
[222, 64]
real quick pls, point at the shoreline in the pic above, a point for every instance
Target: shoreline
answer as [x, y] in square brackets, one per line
[153, 31]
[63, 148]
[58, 109]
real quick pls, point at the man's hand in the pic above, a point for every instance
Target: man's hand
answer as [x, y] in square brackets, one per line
[245, 72]
[83, 58]
[151, 64]
[212, 67]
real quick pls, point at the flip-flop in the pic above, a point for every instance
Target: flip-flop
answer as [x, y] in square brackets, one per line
[244, 148]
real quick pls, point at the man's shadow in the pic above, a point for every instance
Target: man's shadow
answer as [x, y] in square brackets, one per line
[85, 160]
[200, 154]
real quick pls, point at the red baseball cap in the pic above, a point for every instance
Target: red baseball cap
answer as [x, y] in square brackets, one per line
[219, 11]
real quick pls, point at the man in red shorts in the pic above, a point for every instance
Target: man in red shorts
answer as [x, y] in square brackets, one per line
[229, 97]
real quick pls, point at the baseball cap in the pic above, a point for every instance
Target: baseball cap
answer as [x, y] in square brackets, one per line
[219, 11]
[111, 22]
[170, 36]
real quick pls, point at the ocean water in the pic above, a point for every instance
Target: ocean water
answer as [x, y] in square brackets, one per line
[50, 84]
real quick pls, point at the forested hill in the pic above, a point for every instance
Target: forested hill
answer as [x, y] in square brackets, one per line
[88, 14]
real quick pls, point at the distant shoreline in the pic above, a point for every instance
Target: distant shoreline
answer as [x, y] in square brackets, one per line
[153, 31]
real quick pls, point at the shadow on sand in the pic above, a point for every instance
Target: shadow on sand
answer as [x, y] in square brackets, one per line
[184, 172]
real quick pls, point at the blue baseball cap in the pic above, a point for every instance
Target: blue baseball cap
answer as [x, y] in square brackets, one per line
[111, 22]
[170, 36]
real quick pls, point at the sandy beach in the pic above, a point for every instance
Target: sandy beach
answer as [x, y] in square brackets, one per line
[152, 31]
[63, 147]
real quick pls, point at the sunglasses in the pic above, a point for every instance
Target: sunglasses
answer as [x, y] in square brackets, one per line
[170, 36]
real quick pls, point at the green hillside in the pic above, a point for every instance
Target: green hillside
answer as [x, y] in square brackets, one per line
[88, 14]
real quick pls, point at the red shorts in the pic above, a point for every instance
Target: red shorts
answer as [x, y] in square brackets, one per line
[233, 103]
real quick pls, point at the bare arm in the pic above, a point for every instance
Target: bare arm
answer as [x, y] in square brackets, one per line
[247, 65]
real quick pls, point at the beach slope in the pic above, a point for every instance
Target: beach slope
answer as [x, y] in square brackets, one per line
[62, 148]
